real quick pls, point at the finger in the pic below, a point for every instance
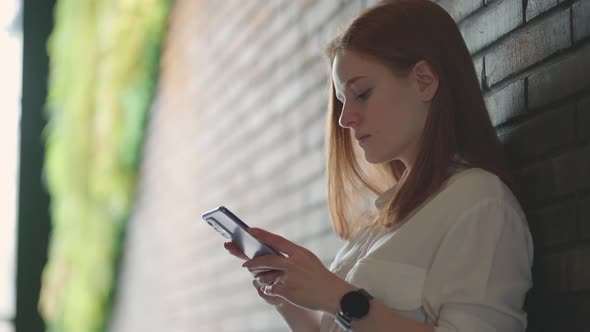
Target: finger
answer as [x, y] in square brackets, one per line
[257, 272]
[233, 251]
[261, 292]
[276, 241]
[275, 290]
[232, 246]
[229, 246]
[269, 277]
[257, 283]
[260, 289]
[268, 262]
[263, 280]
[268, 272]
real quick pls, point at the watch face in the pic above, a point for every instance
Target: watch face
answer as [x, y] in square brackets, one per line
[355, 304]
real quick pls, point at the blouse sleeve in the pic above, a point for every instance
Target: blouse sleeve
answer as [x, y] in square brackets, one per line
[482, 271]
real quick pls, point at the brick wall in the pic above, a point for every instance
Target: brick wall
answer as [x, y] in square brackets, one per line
[239, 121]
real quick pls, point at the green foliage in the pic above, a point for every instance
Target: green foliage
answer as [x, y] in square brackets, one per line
[104, 60]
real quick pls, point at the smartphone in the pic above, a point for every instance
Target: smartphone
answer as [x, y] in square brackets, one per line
[234, 229]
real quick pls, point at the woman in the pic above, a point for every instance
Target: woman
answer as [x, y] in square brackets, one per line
[447, 246]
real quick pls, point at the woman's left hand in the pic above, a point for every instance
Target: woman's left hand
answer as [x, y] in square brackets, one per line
[306, 282]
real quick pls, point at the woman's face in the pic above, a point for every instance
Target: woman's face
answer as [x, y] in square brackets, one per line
[387, 110]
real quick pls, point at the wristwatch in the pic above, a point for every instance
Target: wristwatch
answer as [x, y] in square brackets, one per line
[354, 305]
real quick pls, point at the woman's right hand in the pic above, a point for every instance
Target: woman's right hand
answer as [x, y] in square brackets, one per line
[261, 279]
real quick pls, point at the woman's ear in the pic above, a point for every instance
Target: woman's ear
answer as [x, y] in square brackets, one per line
[426, 79]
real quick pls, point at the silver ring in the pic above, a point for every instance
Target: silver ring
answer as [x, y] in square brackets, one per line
[279, 280]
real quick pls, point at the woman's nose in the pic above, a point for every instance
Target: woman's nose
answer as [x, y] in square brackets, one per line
[348, 118]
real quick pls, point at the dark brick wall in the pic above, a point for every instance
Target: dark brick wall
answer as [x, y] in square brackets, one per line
[239, 121]
[535, 78]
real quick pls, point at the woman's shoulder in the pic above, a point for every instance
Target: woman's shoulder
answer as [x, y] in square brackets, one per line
[474, 176]
[476, 184]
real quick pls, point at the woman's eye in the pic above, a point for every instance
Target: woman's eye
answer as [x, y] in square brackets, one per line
[364, 95]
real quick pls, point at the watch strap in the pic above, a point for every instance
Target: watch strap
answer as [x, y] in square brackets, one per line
[344, 322]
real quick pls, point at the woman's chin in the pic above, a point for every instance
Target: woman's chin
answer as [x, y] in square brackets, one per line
[373, 159]
[376, 159]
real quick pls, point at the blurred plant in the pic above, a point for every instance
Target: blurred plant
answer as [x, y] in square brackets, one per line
[104, 60]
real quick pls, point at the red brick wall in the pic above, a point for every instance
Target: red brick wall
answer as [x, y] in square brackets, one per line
[239, 121]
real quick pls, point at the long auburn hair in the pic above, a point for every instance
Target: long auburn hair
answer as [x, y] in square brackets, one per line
[398, 34]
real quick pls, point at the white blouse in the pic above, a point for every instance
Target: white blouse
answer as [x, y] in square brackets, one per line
[460, 262]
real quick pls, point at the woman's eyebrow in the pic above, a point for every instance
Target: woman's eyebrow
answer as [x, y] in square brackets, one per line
[352, 80]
